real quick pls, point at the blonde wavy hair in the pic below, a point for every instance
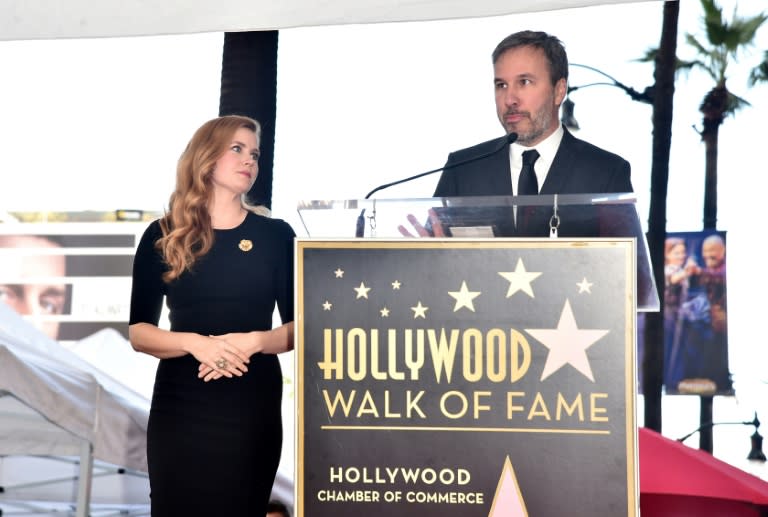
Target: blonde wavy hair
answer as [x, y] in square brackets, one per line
[186, 225]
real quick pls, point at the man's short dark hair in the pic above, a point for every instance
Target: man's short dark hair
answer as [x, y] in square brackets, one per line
[551, 46]
[275, 506]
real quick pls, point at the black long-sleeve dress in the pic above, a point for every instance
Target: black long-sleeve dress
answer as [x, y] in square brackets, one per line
[214, 448]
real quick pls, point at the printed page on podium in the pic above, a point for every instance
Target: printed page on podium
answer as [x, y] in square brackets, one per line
[466, 377]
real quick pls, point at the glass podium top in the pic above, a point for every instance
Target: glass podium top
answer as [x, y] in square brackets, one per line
[565, 216]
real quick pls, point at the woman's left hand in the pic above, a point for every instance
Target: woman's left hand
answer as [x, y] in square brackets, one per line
[275, 341]
[244, 342]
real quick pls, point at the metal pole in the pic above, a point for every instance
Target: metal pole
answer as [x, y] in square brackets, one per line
[84, 479]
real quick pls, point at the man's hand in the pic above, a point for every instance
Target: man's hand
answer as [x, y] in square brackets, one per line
[421, 231]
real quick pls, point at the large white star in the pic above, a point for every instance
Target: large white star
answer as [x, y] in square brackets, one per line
[362, 291]
[464, 297]
[420, 311]
[567, 344]
[520, 279]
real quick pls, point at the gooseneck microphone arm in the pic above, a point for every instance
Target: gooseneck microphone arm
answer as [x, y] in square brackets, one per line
[501, 143]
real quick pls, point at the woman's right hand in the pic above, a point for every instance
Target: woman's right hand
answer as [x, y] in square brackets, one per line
[218, 358]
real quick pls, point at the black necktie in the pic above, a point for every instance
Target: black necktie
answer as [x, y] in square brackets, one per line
[527, 185]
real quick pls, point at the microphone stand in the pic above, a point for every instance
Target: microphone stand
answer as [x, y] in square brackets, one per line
[502, 143]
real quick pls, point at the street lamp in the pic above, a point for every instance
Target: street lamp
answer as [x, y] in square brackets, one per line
[756, 452]
[567, 117]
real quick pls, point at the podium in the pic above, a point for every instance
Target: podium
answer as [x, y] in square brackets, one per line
[488, 373]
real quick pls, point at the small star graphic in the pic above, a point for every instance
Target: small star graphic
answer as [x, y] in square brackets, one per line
[520, 279]
[362, 291]
[567, 344]
[339, 273]
[464, 297]
[584, 286]
[396, 285]
[327, 305]
[384, 312]
[420, 311]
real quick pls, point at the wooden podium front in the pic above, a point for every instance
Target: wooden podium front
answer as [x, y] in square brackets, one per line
[466, 377]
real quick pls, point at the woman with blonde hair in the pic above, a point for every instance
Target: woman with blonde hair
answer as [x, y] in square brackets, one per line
[222, 265]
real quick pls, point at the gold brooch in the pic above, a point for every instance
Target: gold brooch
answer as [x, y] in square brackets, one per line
[245, 245]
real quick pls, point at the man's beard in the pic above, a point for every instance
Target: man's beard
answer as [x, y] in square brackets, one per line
[539, 125]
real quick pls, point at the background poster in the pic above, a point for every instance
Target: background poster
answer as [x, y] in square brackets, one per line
[458, 378]
[70, 280]
[695, 314]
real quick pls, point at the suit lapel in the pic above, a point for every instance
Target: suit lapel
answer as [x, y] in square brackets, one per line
[561, 166]
[502, 181]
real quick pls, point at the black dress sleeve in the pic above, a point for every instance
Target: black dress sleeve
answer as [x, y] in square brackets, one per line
[284, 286]
[147, 288]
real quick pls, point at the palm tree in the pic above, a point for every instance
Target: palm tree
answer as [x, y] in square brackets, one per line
[725, 42]
[664, 89]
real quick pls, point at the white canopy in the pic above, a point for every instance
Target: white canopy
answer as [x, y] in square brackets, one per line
[49, 19]
[55, 405]
[59, 412]
[73, 396]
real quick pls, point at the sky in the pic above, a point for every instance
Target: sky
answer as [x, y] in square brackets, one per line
[99, 124]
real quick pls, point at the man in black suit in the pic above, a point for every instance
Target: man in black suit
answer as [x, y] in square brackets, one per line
[530, 82]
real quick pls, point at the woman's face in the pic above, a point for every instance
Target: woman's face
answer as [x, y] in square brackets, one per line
[237, 167]
[676, 255]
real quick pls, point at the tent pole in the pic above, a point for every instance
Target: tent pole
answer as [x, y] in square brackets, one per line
[84, 479]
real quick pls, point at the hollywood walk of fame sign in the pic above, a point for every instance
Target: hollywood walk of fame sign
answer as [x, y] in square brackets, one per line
[453, 377]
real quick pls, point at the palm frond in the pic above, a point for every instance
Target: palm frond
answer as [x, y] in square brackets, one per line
[680, 65]
[725, 41]
[649, 56]
[759, 74]
[735, 103]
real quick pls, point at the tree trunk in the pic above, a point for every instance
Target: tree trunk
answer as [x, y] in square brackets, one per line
[713, 108]
[249, 87]
[664, 91]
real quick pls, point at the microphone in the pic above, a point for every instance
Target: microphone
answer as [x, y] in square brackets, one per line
[501, 143]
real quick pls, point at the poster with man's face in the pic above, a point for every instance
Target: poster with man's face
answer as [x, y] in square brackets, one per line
[69, 280]
[695, 314]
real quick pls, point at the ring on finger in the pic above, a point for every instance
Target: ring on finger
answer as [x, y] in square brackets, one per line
[221, 363]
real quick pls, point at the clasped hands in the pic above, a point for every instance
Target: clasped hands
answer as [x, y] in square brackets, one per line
[226, 356]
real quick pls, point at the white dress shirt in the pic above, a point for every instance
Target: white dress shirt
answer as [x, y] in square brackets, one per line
[547, 150]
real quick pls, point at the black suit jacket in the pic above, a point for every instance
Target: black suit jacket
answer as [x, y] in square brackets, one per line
[578, 168]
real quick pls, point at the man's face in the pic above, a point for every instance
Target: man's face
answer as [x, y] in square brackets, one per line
[526, 101]
[27, 285]
[713, 253]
